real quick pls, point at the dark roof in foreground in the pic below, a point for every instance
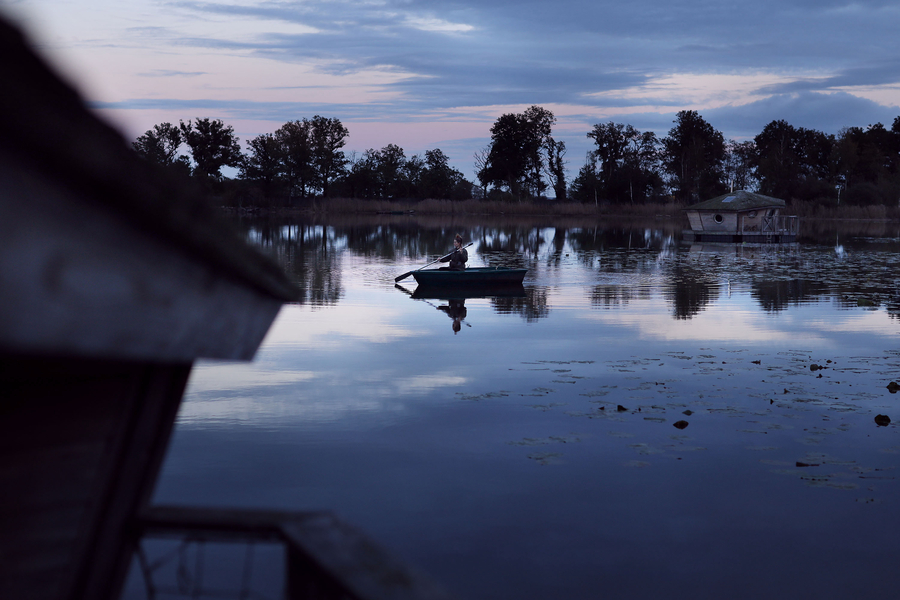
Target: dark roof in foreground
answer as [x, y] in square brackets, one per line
[46, 124]
[738, 200]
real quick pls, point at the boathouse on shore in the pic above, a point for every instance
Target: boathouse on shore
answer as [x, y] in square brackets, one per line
[741, 216]
[114, 278]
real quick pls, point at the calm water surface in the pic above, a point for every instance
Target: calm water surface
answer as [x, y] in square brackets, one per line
[651, 418]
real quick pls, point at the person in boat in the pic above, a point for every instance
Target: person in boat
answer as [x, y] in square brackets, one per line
[458, 257]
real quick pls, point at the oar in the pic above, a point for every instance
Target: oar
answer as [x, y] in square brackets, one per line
[405, 275]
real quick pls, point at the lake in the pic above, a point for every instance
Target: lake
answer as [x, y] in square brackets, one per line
[648, 419]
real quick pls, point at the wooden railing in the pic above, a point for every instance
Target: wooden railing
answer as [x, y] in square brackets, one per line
[326, 559]
[780, 225]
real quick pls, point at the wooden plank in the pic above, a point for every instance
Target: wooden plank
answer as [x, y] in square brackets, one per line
[65, 503]
[109, 289]
[137, 455]
[355, 562]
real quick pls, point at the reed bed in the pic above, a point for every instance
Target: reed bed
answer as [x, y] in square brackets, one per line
[488, 207]
[808, 211]
[814, 210]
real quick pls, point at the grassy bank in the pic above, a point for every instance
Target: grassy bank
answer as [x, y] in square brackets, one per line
[343, 206]
[480, 207]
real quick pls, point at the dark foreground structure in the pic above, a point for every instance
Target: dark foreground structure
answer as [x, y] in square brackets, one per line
[114, 278]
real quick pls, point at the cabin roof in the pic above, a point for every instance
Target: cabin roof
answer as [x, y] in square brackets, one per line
[47, 125]
[737, 201]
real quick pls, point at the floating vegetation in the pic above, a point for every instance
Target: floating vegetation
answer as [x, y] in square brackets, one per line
[553, 439]
[501, 394]
[729, 396]
[545, 458]
[546, 407]
[645, 449]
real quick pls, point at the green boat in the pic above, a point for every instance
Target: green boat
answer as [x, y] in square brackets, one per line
[476, 276]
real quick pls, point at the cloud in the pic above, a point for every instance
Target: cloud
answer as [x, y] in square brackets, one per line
[170, 73]
[823, 112]
[817, 64]
[467, 53]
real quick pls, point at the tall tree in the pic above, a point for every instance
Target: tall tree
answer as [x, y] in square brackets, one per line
[390, 161]
[415, 172]
[587, 185]
[538, 127]
[516, 159]
[627, 162]
[438, 178]
[213, 146]
[263, 162]
[328, 136]
[793, 162]
[692, 155]
[739, 166]
[160, 145]
[295, 139]
[556, 167]
[868, 163]
[481, 160]
[611, 140]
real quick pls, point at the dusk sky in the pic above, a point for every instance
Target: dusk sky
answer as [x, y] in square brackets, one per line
[429, 74]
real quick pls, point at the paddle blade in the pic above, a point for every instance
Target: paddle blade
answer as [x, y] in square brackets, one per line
[402, 277]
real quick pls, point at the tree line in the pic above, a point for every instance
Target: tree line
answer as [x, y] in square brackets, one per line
[524, 162]
[303, 158]
[858, 166]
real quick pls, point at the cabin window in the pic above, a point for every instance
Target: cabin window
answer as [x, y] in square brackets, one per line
[718, 218]
[751, 214]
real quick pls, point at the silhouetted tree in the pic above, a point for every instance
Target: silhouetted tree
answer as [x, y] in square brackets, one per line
[793, 162]
[692, 156]
[160, 145]
[516, 160]
[295, 140]
[627, 162]
[556, 167]
[213, 146]
[263, 163]
[587, 185]
[739, 165]
[868, 164]
[328, 136]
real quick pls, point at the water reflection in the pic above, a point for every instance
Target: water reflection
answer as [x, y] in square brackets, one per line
[456, 310]
[647, 394]
[531, 303]
[614, 263]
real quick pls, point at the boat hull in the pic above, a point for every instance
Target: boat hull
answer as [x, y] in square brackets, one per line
[476, 276]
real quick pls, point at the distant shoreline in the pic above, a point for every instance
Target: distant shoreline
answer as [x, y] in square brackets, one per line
[343, 206]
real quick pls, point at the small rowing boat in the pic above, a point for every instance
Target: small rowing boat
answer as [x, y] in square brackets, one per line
[475, 276]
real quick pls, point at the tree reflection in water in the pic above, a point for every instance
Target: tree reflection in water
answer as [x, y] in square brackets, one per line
[619, 262]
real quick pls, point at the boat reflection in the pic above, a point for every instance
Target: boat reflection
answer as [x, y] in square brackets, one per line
[509, 290]
[456, 298]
